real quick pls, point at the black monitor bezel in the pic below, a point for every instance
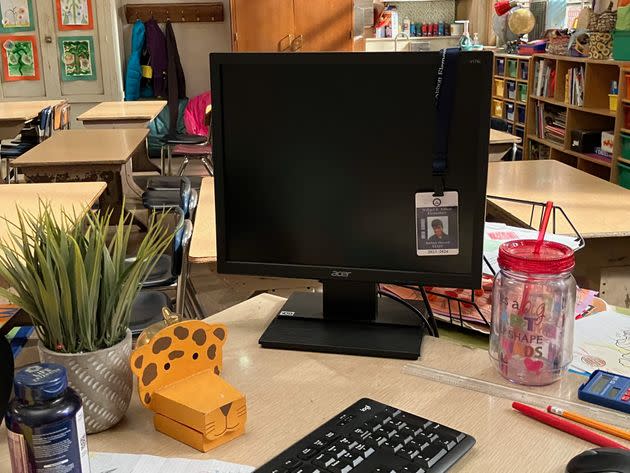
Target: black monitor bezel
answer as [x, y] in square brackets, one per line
[471, 279]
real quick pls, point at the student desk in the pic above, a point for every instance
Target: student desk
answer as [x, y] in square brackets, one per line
[137, 114]
[500, 143]
[291, 393]
[203, 245]
[13, 115]
[599, 210]
[87, 155]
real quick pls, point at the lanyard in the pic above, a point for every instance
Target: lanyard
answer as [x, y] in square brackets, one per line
[444, 100]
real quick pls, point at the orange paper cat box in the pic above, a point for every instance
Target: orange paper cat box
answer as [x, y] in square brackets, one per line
[179, 379]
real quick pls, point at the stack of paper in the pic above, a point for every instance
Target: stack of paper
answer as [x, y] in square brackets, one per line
[602, 341]
[125, 463]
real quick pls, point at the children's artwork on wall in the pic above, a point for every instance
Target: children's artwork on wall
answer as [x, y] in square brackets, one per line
[16, 15]
[74, 15]
[19, 58]
[77, 58]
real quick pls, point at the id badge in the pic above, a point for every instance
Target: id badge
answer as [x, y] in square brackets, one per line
[437, 224]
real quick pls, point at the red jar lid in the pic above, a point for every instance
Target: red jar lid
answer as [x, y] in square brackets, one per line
[553, 258]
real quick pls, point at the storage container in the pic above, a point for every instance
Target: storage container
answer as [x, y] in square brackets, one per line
[520, 113]
[497, 108]
[522, 92]
[511, 89]
[625, 146]
[627, 85]
[499, 87]
[624, 175]
[612, 102]
[509, 111]
[512, 66]
[500, 66]
[520, 132]
[621, 46]
[531, 339]
[510, 129]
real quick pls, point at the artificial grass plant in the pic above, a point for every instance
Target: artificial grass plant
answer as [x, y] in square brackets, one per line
[72, 279]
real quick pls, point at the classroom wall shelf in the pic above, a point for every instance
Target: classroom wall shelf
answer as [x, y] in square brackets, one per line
[509, 94]
[568, 94]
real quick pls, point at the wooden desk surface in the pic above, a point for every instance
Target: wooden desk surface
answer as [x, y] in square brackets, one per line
[291, 393]
[596, 207]
[71, 196]
[84, 147]
[112, 111]
[203, 246]
[501, 137]
[11, 111]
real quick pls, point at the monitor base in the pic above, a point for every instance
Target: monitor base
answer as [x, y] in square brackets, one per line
[300, 325]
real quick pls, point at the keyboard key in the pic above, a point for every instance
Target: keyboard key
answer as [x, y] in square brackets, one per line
[448, 433]
[391, 447]
[368, 452]
[306, 469]
[398, 424]
[396, 413]
[346, 443]
[408, 453]
[319, 444]
[447, 444]
[430, 456]
[418, 445]
[339, 467]
[352, 459]
[381, 469]
[322, 460]
[329, 436]
[396, 438]
[291, 463]
[306, 453]
[411, 468]
[278, 470]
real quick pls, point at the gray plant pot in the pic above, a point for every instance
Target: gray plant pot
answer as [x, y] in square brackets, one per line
[102, 378]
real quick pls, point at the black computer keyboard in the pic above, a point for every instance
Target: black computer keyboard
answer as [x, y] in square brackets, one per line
[372, 437]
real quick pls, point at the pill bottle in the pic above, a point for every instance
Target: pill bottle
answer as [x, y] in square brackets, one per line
[45, 423]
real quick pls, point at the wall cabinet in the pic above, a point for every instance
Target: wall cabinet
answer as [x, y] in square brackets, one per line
[298, 25]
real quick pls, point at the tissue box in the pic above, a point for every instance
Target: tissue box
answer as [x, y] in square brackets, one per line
[608, 140]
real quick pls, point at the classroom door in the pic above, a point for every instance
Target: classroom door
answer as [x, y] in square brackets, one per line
[324, 25]
[96, 77]
[262, 25]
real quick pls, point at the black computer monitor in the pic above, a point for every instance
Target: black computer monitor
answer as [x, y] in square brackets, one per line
[319, 158]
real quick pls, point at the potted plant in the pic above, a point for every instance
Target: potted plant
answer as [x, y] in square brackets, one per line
[70, 275]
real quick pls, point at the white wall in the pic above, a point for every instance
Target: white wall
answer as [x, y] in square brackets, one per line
[194, 42]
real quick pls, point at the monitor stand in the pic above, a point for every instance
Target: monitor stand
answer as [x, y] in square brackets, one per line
[347, 318]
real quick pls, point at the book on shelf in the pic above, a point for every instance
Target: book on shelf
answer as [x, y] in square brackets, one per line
[574, 86]
[545, 78]
[551, 122]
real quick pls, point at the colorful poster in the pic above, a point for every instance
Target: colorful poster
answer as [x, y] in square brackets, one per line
[77, 58]
[16, 15]
[19, 58]
[74, 15]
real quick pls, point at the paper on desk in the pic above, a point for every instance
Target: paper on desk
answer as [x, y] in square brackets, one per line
[602, 341]
[127, 463]
[497, 233]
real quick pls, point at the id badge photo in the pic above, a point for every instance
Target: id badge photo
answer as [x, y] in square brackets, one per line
[437, 224]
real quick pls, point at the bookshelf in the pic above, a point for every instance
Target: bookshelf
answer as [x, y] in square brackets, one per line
[577, 100]
[509, 94]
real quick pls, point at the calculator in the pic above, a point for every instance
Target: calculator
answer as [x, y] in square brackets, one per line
[608, 390]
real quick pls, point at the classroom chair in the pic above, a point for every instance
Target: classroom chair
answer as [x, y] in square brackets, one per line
[183, 197]
[201, 151]
[170, 271]
[33, 133]
[501, 125]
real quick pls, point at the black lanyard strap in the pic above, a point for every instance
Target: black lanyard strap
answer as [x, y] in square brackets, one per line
[444, 100]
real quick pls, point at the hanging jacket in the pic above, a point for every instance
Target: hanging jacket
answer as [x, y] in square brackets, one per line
[195, 114]
[134, 71]
[156, 46]
[176, 82]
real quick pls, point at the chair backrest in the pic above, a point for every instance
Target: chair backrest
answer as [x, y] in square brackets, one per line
[61, 117]
[45, 123]
[181, 240]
